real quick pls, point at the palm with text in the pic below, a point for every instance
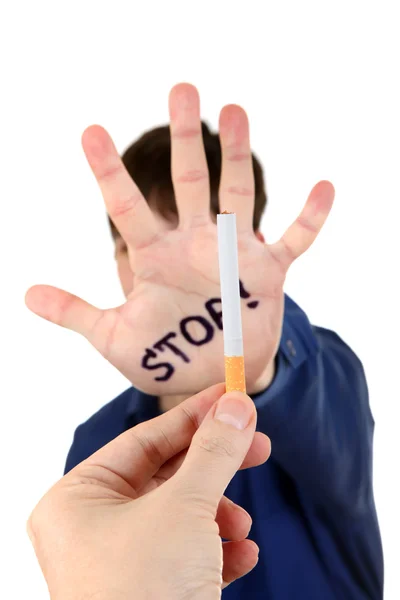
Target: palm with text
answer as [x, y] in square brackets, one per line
[167, 337]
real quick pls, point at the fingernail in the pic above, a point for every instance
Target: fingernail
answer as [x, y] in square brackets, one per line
[234, 409]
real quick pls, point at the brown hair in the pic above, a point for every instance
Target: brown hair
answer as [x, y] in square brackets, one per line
[148, 162]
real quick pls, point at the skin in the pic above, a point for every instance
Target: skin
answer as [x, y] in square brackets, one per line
[125, 275]
[164, 501]
[169, 272]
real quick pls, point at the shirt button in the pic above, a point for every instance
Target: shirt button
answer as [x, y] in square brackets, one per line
[291, 348]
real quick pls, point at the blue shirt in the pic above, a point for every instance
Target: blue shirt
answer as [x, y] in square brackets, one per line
[312, 502]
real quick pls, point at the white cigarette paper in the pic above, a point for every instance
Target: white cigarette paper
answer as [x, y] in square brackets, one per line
[231, 305]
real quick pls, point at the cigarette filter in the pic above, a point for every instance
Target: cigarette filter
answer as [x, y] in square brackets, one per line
[230, 296]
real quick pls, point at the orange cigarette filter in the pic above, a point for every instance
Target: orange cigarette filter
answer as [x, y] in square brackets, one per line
[234, 374]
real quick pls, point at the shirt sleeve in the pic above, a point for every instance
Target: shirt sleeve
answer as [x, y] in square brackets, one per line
[317, 414]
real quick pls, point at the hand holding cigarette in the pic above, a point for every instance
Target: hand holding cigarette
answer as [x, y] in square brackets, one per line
[167, 508]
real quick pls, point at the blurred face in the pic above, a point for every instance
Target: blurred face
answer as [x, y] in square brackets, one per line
[121, 252]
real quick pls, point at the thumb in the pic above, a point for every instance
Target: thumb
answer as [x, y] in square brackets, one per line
[218, 448]
[62, 308]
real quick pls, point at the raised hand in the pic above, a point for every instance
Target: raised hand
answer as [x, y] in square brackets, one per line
[167, 337]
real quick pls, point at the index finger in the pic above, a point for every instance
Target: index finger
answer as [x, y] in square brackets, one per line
[125, 204]
[258, 453]
[137, 454]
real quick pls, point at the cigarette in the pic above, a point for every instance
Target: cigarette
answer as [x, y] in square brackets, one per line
[230, 296]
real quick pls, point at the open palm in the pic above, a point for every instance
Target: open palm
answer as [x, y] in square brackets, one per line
[167, 337]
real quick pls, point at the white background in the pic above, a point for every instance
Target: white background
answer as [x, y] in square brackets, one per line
[320, 84]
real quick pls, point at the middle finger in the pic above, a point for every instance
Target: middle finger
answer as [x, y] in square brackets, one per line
[188, 158]
[237, 188]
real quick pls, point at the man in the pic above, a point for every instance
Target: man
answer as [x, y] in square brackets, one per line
[312, 503]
